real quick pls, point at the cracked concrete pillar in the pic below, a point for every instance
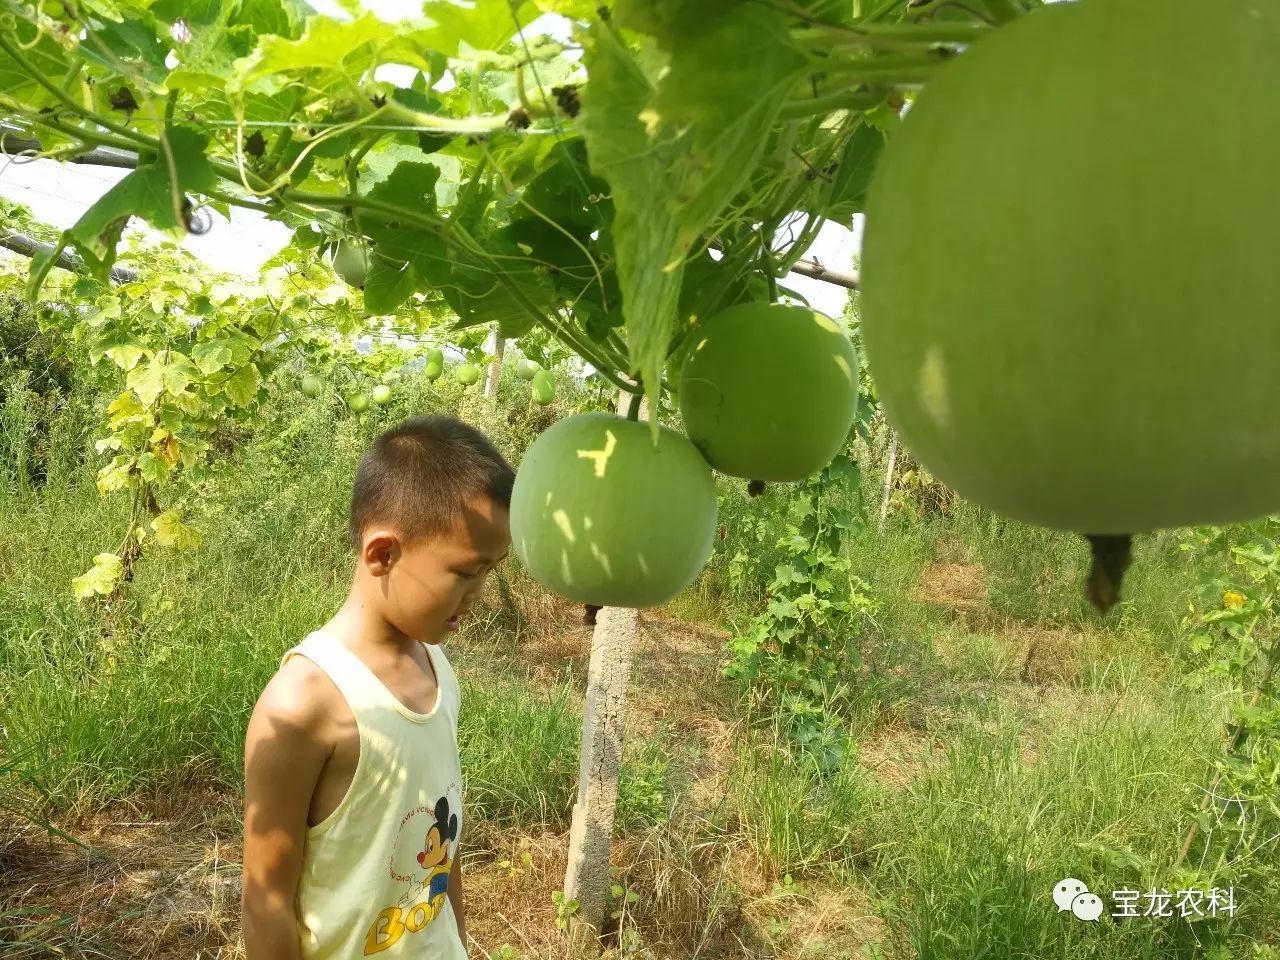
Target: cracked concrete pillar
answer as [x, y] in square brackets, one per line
[495, 347]
[600, 762]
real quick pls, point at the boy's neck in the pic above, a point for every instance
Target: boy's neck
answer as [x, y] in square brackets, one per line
[361, 625]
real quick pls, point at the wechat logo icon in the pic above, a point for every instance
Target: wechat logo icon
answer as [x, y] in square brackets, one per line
[1070, 894]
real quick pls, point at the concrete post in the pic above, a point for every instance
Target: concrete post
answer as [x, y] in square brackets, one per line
[604, 717]
[495, 346]
[887, 491]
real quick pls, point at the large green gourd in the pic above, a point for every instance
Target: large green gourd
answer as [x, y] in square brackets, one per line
[768, 392]
[1071, 295]
[600, 514]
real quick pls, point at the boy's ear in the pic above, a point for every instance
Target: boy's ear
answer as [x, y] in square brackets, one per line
[379, 551]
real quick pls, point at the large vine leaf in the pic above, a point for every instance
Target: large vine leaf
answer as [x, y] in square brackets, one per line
[483, 25]
[853, 172]
[675, 152]
[101, 578]
[154, 191]
[170, 531]
[44, 55]
[639, 171]
[349, 49]
[388, 285]
[343, 49]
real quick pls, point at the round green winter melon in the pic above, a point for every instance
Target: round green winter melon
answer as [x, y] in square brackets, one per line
[543, 387]
[768, 392]
[351, 263]
[1071, 301]
[600, 514]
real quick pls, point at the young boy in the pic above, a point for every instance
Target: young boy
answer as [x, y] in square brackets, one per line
[353, 787]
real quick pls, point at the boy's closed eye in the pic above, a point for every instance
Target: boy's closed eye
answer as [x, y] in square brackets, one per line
[480, 570]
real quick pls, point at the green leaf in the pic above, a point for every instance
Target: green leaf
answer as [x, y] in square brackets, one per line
[177, 373]
[388, 285]
[344, 49]
[206, 59]
[41, 264]
[124, 409]
[479, 295]
[242, 388]
[153, 469]
[675, 154]
[482, 298]
[481, 25]
[726, 81]
[410, 186]
[147, 381]
[151, 192]
[39, 50]
[211, 356]
[172, 532]
[853, 172]
[126, 355]
[649, 265]
[101, 578]
[134, 41]
[574, 9]
[271, 16]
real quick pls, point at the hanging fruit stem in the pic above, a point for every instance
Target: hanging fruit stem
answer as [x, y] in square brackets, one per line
[1112, 554]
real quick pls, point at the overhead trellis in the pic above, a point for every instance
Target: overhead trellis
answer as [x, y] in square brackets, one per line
[579, 187]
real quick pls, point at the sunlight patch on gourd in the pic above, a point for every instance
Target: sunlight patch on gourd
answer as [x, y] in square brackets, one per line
[601, 457]
[933, 386]
[602, 558]
[565, 524]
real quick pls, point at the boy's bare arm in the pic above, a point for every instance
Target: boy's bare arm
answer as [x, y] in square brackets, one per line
[284, 754]
[454, 893]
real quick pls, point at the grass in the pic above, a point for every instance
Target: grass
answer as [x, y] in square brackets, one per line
[999, 734]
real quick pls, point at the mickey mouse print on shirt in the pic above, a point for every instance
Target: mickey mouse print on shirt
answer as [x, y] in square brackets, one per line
[429, 887]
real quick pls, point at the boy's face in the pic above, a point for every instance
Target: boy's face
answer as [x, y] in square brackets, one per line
[427, 588]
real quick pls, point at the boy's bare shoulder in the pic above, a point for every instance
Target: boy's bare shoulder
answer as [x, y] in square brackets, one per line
[299, 698]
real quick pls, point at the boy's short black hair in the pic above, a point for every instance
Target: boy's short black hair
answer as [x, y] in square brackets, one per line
[417, 476]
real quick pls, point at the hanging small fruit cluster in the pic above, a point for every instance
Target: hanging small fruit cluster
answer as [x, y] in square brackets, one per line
[542, 385]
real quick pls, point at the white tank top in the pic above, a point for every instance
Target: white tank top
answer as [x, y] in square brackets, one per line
[375, 871]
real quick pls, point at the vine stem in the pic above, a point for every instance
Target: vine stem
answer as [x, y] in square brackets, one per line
[845, 100]
[876, 68]
[869, 34]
